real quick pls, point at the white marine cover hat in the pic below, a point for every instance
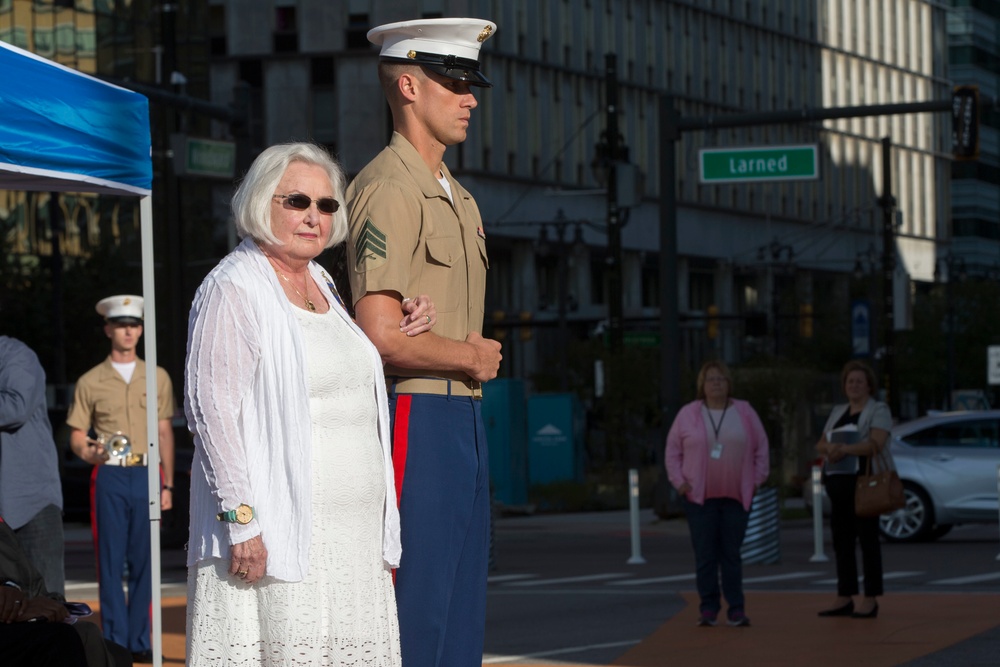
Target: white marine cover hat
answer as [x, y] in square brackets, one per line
[123, 308]
[448, 46]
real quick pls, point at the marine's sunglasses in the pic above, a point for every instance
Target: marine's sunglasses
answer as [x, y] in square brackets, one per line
[326, 205]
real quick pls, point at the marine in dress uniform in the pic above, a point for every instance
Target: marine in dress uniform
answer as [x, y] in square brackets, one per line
[110, 402]
[416, 230]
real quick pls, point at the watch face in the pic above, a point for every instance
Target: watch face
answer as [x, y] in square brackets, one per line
[244, 513]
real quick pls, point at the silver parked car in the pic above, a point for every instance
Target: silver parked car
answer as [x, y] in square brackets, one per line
[948, 464]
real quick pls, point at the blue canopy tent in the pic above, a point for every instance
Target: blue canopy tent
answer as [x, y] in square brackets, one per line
[64, 131]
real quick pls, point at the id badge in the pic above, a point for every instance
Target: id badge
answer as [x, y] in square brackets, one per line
[717, 451]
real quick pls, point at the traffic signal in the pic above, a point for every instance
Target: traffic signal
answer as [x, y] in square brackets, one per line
[965, 123]
[806, 320]
[712, 322]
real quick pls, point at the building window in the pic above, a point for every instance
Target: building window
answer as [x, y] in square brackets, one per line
[252, 72]
[357, 31]
[286, 35]
[217, 45]
[701, 290]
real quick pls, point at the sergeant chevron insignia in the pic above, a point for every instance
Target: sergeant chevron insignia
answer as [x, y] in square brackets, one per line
[371, 247]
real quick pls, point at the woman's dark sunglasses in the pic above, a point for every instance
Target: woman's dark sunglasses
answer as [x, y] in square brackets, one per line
[326, 205]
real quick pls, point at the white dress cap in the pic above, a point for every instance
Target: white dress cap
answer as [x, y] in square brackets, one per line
[449, 46]
[125, 308]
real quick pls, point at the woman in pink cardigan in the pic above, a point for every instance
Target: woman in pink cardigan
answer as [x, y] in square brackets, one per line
[717, 455]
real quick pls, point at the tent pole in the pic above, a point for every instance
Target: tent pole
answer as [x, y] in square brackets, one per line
[152, 420]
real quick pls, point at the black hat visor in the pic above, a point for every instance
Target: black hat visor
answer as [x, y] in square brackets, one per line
[453, 67]
[126, 320]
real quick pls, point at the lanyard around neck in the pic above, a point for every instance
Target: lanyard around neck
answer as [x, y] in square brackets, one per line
[715, 428]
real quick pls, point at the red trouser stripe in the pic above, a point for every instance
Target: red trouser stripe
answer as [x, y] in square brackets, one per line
[400, 436]
[93, 519]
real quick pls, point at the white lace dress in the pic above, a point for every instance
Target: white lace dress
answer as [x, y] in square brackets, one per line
[344, 611]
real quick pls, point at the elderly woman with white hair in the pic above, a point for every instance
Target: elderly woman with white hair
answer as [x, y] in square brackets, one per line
[294, 527]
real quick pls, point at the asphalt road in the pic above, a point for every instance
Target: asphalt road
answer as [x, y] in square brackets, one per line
[562, 590]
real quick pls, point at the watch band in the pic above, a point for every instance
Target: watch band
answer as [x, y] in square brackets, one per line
[233, 515]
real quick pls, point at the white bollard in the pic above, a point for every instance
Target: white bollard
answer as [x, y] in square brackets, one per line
[633, 507]
[817, 489]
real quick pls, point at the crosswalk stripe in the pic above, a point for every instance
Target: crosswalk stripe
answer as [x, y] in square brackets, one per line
[654, 580]
[502, 578]
[568, 580]
[974, 579]
[902, 574]
[623, 579]
[498, 659]
[780, 577]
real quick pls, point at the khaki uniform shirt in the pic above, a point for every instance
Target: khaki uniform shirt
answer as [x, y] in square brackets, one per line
[408, 237]
[103, 401]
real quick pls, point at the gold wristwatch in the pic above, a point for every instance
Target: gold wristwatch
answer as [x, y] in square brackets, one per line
[241, 515]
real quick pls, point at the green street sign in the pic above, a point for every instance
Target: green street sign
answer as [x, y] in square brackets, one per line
[203, 157]
[746, 165]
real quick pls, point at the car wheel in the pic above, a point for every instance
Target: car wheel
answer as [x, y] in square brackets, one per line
[914, 522]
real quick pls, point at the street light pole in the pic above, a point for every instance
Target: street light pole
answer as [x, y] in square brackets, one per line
[614, 222]
[562, 270]
[888, 204]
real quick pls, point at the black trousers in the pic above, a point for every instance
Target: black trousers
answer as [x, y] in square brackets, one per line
[848, 531]
[40, 644]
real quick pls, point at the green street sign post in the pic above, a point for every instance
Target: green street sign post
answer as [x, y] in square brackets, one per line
[747, 165]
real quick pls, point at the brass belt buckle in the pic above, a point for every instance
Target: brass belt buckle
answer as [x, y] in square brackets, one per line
[477, 390]
[133, 460]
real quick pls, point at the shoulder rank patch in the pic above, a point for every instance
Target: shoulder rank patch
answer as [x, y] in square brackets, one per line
[371, 248]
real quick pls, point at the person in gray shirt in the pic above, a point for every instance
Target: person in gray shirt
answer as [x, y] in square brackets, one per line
[30, 492]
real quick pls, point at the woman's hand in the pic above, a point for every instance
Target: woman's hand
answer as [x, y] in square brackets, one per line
[47, 608]
[420, 315]
[249, 560]
[684, 489]
[12, 604]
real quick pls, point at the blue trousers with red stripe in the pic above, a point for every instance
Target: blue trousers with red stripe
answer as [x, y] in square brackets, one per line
[120, 521]
[442, 483]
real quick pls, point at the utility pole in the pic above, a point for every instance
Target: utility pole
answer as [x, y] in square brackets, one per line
[614, 221]
[670, 367]
[169, 200]
[888, 204]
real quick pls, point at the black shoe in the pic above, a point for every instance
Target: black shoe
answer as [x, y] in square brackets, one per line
[846, 610]
[142, 656]
[870, 614]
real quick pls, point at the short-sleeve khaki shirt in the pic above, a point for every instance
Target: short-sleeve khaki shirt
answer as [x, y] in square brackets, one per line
[104, 402]
[408, 237]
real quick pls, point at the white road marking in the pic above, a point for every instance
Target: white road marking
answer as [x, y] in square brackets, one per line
[655, 580]
[568, 580]
[974, 579]
[499, 659]
[888, 575]
[780, 577]
[502, 578]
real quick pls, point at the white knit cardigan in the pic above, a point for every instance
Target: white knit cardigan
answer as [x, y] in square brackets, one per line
[247, 404]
